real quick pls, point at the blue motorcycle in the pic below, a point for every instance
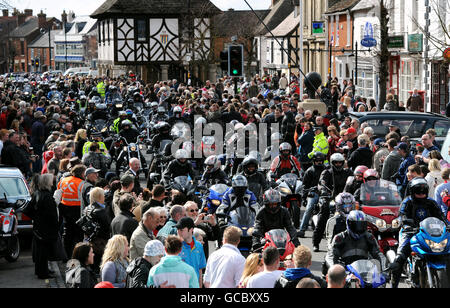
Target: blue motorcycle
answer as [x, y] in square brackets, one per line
[213, 199]
[427, 265]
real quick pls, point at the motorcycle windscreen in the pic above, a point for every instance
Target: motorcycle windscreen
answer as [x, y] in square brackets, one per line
[279, 238]
[380, 193]
[181, 183]
[243, 217]
[163, 144]
[367, 272]
[433, 226]
[290, 179]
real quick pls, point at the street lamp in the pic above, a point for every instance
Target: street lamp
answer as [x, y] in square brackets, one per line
[48, 30]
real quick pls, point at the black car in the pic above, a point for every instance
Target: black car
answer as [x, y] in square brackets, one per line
[412, 124]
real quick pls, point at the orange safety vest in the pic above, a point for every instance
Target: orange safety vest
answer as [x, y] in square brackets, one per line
[71, 191]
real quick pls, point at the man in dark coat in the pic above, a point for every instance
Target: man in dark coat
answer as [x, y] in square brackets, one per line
[362, 156]
[125, 223]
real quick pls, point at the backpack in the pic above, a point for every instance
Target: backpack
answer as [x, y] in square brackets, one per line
[87, 223]
[73, 274]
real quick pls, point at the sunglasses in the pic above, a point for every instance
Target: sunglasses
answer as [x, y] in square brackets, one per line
[192, 211]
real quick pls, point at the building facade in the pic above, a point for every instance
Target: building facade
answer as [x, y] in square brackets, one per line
[157, 39]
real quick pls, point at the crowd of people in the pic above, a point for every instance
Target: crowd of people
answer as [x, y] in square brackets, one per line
[112, 232]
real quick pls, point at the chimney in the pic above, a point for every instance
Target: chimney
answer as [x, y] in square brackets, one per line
[28, 12]
[20, 19]
[5, 13]
[42, 20]
[64, 17]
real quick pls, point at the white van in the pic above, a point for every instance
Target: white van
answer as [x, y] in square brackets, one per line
[74, 70]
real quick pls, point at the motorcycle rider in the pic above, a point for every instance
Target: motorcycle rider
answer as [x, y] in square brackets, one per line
[177, 116]
[213, 173]
[284, 163]
[180, 166]
[372, 186]
[100, 113]
[237, 196]
[354, 182]
[310, 181]
[345, 203]
[117, 122]
[256, 180]
[160, 116]
[82, 103]
[354, 244]
[163, 129]
[96, 137]
[331, 183]
[414, 209]
[272, 216]
[154, 107]
[128, 131]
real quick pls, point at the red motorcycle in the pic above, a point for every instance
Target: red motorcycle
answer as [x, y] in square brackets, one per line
[281, 240]
[380, 201]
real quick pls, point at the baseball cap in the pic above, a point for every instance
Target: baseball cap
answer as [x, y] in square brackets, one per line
[154, 248]
[185, 222]
[91, 170]
[126, 179]
[316, 128]
[351, 130]
[402, 146]
[378, 141]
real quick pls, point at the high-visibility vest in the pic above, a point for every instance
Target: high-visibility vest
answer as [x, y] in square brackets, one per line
[101, 145]
[101, 89]
[71, 191]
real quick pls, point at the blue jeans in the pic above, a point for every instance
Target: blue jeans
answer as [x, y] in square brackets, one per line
[308, 212]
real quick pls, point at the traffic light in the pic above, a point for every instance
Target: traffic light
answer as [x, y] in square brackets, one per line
[36, 62]
[224, 60]
[236, 61]
[32, 62]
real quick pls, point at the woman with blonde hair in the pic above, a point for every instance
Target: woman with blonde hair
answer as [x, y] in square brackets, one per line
[434, 177]
[348, 103]
[115, 261]
[253, 265]
[80, 139]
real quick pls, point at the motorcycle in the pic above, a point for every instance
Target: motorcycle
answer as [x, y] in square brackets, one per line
[129, 151]
[380, 201]
[99, 126]
[290, 187]
[213, 199]
[365, 273]
[281, 240]
[427, 265]
[9, 240]
[242, 217]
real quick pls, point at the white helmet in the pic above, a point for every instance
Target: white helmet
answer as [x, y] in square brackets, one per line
[212, 164]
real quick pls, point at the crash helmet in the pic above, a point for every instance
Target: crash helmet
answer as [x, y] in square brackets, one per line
[418, 186]
[154, 105]
[234, 122]
[71, 94]
[163, 128]
[345, 203]
[101, 107]
[83, 98]
[319, 157]
[112, 88]
[356, 224]
[256, 155]
[96, 100]
[371, 175]
[129, 112]
[285, 149]
[272, 200]
[337, 161]
[122, 114]
[161, 110]
[181, 156]
[53, 88]
[359, 171]
[250, 165]
[126, 123]
[212, 164]
[239, 184]
[177, 111]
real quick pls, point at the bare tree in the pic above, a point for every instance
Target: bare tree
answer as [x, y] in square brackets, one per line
[384, 53]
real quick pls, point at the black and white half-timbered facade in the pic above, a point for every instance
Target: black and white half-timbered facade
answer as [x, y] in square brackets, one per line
[158, 39]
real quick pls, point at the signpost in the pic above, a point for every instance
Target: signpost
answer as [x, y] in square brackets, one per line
[368, 40]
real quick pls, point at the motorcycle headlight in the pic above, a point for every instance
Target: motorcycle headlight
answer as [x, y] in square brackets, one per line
[285, 190]
[380, 223]
[119, 106]
[437, 247]
[396, 224]
[215, 202]
[141, 146]
[104, 130]
[125, 149]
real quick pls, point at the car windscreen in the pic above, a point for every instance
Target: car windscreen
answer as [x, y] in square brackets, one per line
[408, 127]
[14, 188]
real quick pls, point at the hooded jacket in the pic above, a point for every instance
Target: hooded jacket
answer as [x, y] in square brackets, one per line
[391, 165]
[292, 276]
[173, 270]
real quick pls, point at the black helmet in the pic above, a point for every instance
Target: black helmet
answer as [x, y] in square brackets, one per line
[319, 157]
[239, 184]
[163, 127]
[248, 161]
[418, 186]
[356, 224]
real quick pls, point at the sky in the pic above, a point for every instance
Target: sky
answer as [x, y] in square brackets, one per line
[54, 8]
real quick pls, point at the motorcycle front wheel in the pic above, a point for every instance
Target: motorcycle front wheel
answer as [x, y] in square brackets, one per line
[14, 249]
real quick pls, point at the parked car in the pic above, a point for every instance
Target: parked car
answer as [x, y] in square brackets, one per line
[14, 187]
[412, 124]
[446, 148]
